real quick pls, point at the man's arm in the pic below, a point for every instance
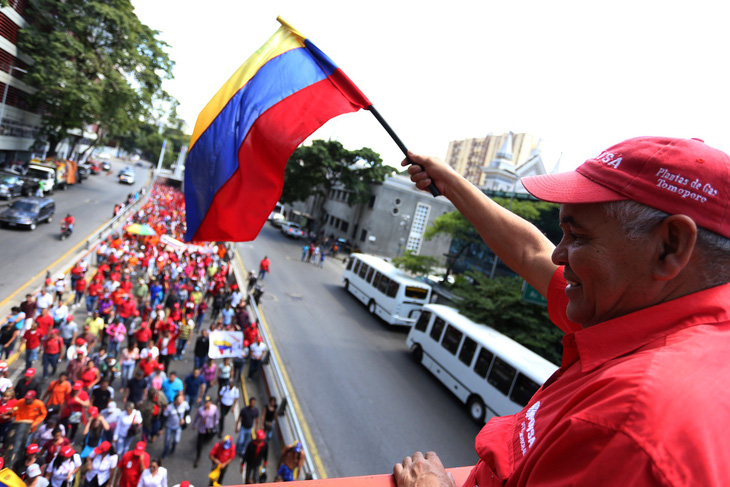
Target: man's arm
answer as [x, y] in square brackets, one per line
[420, 471]
[520, 245]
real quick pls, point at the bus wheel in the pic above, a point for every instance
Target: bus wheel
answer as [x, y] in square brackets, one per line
[371, 307]
[476, 409]
[417, 354]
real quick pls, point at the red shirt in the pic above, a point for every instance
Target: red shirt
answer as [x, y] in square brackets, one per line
[52, 345]
[638, 400]
[95, 288]
[81, 285]
[129, 466]
[143, 335]
[147, 366]
[221, 453]
[44, 324]
[32, 339]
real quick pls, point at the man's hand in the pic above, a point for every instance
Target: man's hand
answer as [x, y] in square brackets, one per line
[420, 471]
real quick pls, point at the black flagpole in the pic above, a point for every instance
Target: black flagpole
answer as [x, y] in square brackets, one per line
[432, 187]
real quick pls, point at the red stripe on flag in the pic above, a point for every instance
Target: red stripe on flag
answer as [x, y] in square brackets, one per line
[240, 208]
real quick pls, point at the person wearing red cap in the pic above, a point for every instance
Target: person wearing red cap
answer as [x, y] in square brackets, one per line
[639, 284]
[74, 411]
[27, 383]
[131, 466]
[21, 465]
[31, 409]
[143, 335]
[257, 453]
[100, 465]
[63, 468]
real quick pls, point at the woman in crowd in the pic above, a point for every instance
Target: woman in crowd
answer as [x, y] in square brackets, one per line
[155, 476]
[74, 412]
[205, 424]
[93, 432]
[129, 358]
[63, 468]
[100, 465]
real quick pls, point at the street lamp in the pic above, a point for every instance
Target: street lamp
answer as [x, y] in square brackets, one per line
[5, 93]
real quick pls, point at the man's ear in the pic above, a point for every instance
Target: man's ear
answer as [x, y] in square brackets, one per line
[677, 236]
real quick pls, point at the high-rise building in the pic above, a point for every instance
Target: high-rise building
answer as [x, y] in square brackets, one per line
[18, 124]
[476, 159]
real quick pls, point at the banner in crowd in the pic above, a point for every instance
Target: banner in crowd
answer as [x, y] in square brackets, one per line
[225, 344]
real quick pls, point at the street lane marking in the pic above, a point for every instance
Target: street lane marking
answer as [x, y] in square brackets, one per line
[292, 396]
[295, 402]
[54, 264]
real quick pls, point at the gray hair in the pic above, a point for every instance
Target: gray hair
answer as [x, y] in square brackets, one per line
[637, 221]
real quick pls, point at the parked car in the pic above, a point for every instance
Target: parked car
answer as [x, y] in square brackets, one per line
[28, 212]
[126, 175]
[277, 219]
[293, 230]
[11, 185]
[106, 166]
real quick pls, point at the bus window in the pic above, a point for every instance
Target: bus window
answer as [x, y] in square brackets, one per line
[467, 351]
[383, 285]
[357, 266]
[349, 264]
[370, 275]
[523, 390]
[393, 289]
[422, 322]
[438, 327]
[416, 292]
[363, 270]
[501, 375]
[452, 339]
[484, 360]
[376, 279]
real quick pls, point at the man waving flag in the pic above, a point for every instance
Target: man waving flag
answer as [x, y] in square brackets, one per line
[242, 139]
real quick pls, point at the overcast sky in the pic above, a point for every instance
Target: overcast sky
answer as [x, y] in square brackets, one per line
[579, 75]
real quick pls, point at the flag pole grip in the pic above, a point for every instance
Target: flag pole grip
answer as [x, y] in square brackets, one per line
[431, 187]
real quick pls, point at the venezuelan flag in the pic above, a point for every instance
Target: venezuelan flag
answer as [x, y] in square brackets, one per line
[234, 173]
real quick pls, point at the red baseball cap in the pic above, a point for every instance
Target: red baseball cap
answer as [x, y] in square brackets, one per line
[69, 318]
[140, 446]
[29, 372]
[93, 411]
[32, 449]
[103, 447]
[30, 395]
[676, 176]
[78, 385]
[67, 452]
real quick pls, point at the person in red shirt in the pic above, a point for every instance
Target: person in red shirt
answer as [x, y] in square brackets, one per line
[640, 284]
[32, 339]
[131, 466]
[44, 321]
[96, 288]
[52, 352]
[222, 454]
[147, 364]
[79, 288]
[89, 375]
[73, 412]
[142, 335]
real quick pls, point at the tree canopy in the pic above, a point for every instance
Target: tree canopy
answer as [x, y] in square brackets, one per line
[95, 63]
[498, 303]
[419, 265]
[314, 169]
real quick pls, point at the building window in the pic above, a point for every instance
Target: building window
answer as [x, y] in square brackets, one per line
[344, 226]
[418, 227]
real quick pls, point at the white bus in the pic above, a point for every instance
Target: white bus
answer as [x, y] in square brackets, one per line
[489, 372]
[388, 292]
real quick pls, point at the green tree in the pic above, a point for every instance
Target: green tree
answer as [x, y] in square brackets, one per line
[463, 236]
[314, 169]
[94, 63]
[498, 303]
[419, 265]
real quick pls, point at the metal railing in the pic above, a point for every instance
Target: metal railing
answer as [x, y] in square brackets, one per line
[277, 385]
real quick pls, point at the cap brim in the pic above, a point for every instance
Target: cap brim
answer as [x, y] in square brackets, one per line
[569, 187]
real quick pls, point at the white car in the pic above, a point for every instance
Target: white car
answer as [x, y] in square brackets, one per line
[277, 219]
[292, 230]
[126, 175]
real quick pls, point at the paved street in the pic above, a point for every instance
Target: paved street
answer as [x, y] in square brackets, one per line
[23, 254]
[367, 404]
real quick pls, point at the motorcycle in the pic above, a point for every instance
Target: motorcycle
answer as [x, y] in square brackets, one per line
[66, 231]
